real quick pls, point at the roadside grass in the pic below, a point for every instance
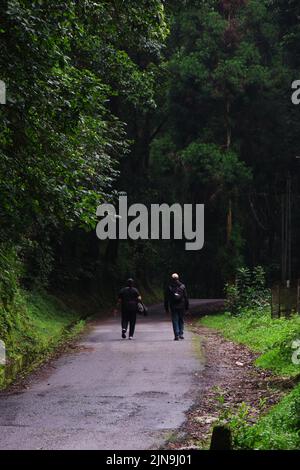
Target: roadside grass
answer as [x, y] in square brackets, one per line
[32, 327]
[49, 318]
[279, 427]
[273, 338]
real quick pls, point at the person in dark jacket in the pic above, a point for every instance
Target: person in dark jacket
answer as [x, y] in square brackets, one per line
[177, 301]
[129, 297]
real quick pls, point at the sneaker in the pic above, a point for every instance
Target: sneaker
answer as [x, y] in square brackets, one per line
[181, 337]
[176, 338]
[124, 334]
[130, 337]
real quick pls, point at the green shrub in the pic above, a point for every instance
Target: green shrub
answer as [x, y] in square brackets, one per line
[273, 338]
[249, 291]
[31, 323]
[10, 272]
[279, 429]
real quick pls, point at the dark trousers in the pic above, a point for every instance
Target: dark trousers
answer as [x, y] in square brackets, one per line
[128, 317]
[178, 321]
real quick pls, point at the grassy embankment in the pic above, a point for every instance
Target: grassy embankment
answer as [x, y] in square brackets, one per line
[279, 428]
[32, 326]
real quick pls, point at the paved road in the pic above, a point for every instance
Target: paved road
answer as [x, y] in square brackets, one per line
[107, 394]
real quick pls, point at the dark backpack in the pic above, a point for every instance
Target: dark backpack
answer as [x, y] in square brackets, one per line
[130, 299]
[176, 294]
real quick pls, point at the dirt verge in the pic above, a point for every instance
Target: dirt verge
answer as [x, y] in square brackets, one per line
[229, 379]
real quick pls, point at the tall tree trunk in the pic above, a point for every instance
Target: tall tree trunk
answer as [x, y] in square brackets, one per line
[228, 145]
[229, 221]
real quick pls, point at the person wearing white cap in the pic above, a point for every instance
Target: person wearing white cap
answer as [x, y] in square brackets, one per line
[176, 300]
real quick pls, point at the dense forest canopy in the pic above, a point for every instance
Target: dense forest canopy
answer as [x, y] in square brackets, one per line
[168, 101]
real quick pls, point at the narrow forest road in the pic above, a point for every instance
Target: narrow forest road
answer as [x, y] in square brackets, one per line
[108, 393]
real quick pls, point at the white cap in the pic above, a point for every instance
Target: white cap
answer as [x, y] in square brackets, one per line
[175, 276]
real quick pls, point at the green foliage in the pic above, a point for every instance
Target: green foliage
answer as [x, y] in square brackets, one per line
[76, 74]
[273, 338]
[225, 70]
[208, 164]
[237, 420]
[229, 135]
[32, 326]
[170, 101]
[277, 430]
[248, 292]
[61, 139]
[10, 272]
